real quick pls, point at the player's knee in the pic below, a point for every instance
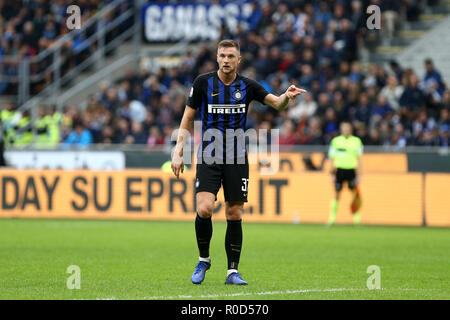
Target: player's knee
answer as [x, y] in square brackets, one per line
[234, 216]
[337, 194]
[205, 210]
[234, 212]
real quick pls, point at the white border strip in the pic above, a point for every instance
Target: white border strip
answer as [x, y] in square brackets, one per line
[240, 294]
[265, 293]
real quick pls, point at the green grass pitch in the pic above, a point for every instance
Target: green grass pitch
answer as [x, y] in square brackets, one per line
[154, 260]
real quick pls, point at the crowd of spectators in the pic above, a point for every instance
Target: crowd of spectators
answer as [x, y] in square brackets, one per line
[312, 44]
[28, 27]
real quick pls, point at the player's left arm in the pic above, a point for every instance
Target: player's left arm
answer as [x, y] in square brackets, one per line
[280, 103]
[358, 170]
[331, 154]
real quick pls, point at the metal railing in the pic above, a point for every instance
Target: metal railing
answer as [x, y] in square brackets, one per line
[106, 73]
[43, 75]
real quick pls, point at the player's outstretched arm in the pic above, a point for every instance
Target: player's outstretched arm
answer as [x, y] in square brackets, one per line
[281, 102]
[183, 136]
[358, 171]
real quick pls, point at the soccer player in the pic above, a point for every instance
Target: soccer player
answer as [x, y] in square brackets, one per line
[345, 154]
[222, 98]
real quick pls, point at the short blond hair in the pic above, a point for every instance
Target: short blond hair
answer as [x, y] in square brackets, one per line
[228, 43]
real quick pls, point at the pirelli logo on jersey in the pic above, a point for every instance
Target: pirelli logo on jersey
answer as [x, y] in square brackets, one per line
[226, 108]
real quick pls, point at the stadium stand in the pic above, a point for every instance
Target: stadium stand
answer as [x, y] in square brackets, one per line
[29, 27]
[316, 45]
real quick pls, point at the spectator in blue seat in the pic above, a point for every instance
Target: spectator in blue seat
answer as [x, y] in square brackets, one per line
[324, 14]
[382, 108]
[122, 130]
[79, 136]
[331, 126]
[364, 109]
[50, 32]
[432, 83]
[444, 118]
[412, 98]
[254, 19]
[138, 133]
[444, 136]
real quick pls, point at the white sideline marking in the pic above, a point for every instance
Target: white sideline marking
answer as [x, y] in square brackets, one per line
[265, 293]
[239, 294]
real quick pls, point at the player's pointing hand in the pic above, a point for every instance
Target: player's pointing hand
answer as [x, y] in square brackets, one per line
[292, 92]
[177, 165]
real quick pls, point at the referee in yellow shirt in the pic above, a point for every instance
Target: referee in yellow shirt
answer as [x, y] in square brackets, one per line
[345, 154]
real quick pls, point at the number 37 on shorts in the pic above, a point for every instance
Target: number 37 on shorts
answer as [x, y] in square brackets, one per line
[244, 185]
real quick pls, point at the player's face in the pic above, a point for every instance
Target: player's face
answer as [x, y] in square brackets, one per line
[346, 129]
[228, 59]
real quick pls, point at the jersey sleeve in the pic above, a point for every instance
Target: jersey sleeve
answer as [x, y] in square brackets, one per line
[258, 91]
[360, 149]
[332, 150]
[194, 99]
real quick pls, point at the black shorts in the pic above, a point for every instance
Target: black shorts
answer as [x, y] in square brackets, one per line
[342, 175]
[233, 177]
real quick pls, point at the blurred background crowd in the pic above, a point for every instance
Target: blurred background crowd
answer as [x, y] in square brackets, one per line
[29, 27]
[312, 44]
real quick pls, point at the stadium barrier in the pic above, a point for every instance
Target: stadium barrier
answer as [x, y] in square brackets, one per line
[437, 207]
[297, 159]
[371, 162]
[410, 199]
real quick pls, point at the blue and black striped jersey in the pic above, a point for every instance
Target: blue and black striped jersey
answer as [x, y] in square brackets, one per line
[224, 107]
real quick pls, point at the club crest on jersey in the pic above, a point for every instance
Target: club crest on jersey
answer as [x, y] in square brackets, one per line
[237, 95]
